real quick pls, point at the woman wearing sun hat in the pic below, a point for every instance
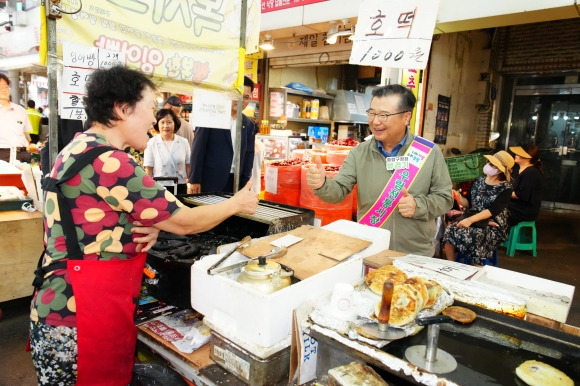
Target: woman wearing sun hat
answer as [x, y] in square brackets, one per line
[527, 184]
[484, 224]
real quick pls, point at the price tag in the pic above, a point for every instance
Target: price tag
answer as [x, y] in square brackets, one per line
[271, 180]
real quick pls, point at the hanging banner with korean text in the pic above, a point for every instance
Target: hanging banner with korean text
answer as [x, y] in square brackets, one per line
[181, 43]
[394, 33]
[276, 5]
[410, 79]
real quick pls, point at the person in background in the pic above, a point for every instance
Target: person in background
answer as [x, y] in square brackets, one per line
[167, 154]
[14, 125]
[526, 197]
[385, 198]
[212, 154]
[485, 224]
[35, 118]
[185, 128]
[104, 214]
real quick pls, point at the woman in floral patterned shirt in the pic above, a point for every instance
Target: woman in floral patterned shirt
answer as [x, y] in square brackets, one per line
[102, 214]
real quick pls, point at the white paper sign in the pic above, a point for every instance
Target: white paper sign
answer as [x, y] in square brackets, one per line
[211, 109]
[286, 241]
[74, 80]
[71, 106]
[271, 180]
[394, 33]
[78, 55]
[450, 268]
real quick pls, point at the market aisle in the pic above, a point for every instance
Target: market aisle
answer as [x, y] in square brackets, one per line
[16, 366]
[558, 259]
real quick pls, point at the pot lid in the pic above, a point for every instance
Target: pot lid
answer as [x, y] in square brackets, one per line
[254, 268]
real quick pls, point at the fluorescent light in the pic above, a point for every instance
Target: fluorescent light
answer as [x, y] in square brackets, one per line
[267, 43]
[331, 38]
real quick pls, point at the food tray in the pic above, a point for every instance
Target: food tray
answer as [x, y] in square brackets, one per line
[465, 167]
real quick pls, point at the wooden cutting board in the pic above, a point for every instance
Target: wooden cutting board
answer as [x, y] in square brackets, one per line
[319, 250]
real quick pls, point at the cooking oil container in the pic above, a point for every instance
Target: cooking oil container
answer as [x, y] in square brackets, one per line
[314, 108]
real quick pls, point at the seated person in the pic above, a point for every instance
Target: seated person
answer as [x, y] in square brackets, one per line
[526, 197]
[485, 224]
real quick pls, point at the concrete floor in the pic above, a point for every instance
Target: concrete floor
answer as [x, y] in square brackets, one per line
[558, 259]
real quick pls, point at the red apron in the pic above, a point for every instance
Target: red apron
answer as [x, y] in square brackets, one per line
[106, 294]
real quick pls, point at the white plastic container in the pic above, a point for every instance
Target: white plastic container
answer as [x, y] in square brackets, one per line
[262, 323]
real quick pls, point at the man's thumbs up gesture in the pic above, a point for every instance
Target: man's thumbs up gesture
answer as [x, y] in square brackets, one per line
[316, 175]
[407, 204]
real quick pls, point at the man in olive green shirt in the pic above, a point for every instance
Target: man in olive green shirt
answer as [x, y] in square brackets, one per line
[412, 223]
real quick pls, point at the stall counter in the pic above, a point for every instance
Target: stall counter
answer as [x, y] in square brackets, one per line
[21, 236]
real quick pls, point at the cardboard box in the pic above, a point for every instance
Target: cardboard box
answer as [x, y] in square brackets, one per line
[262, 323]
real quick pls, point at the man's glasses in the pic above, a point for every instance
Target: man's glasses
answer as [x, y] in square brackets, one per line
[382, 116]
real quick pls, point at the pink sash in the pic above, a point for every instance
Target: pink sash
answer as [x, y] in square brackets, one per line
[402, 178]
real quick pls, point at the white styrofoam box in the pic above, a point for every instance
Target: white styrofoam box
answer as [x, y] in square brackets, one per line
[543, 297]
[264, 321]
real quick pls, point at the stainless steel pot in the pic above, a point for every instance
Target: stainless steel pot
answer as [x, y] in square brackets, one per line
[265, 276]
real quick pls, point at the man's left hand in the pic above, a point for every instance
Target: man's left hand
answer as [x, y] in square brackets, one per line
[407, 204]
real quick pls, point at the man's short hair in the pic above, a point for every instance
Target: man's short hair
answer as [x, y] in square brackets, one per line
[173, 101]
[31, 104]
[407, 99]
[249, 82]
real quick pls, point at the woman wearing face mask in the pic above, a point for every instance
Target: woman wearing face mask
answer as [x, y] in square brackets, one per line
[485, 224]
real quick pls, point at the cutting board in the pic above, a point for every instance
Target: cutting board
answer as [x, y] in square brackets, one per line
[319, 250]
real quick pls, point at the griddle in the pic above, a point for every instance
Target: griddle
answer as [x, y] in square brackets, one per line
[488, 350]
[270, 217]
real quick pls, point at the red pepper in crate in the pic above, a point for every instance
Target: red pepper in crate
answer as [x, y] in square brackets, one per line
[344, 142]
[288, 162]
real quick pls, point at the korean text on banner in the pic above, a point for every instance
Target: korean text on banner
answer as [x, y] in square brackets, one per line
[179, 42]
[394, 33]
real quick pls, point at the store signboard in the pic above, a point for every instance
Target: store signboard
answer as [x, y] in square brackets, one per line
[181, 43]
[394, 33]
[276, 5]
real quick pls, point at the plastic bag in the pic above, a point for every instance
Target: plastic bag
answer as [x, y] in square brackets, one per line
[155, 374]
[299, 86]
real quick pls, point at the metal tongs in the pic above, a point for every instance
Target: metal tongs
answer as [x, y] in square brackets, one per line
[245, 242]
[274, 253]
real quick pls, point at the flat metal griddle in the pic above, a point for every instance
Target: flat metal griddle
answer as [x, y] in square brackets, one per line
[489, 349]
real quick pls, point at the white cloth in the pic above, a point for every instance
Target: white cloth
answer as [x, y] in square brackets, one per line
[166, 161]
[259, 150]
[14, 123]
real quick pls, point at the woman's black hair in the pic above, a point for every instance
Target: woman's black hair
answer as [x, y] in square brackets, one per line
[113, 86]
[534, 151]
[162, 114]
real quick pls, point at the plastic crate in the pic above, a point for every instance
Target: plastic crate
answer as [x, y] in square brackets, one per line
[465, 167]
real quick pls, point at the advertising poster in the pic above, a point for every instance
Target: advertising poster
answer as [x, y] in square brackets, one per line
[442, 121]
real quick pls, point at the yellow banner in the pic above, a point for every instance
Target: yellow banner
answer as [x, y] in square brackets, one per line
[411, 79]
[181, 43]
